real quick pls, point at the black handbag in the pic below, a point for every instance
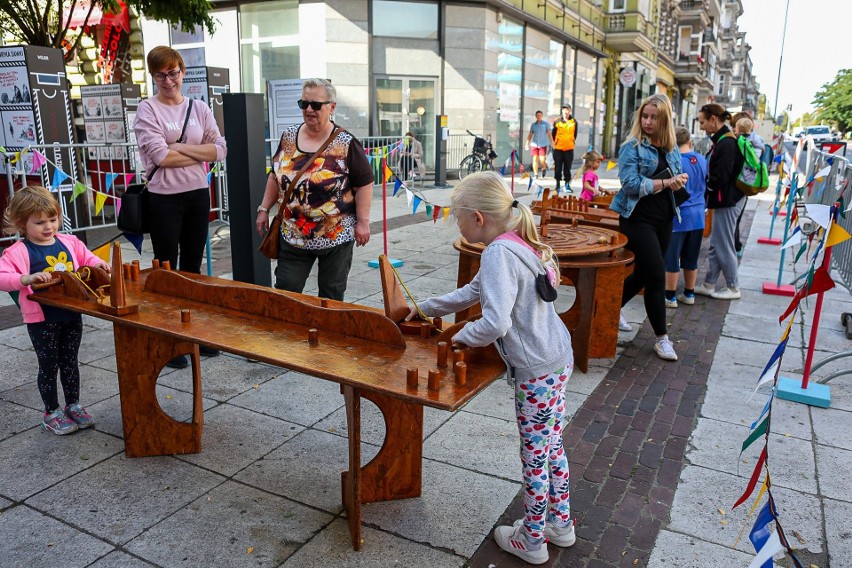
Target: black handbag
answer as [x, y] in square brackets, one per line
[133, 215]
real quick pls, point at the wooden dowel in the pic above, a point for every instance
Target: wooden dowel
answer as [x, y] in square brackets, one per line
[313, 336]
[134, 270]
[125, 270]
[434, 379]
[155, 264]
[458, 355]
[116, 285]
[443, 351]
[461, 373]
[411, 378]
[185, 316]
[166, 264]
[425, 329]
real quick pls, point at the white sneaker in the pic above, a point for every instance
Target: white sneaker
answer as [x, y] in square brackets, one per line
[665, 349]
[686, 299]
[671, 303]
[623, 324]
[514, 541]
[727, 294]
[705, 289]
[563, 537]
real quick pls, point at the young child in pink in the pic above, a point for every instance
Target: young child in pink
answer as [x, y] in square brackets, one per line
[591, 162]
[55, 333]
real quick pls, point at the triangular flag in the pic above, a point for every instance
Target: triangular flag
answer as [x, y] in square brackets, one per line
[761, 531]
[428, 210]
[129, 177]
[821, 214]
[369, 159]
[760, 431]
[209, 177]
[822, 173]
[821, 282]
[766, 408]
[408, 196]
[794, 239]
[436, 213]
[758, 467]
[772, 547]
[102, 251]
[117, 206]
[58, 177]
[836, 235]
[388, 172]
[417, 202]
[397, 184]
[79, 189]
[610, 164]
[100, 199]
[38, 161]
[109, 179]
[446, 213]
[135, 239]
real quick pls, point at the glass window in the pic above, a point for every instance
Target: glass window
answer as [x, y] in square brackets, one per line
[555, 78]
[568, 93]
[617, 5]
[399, 18]
[511, 37]
[190, 45]
[269, 43]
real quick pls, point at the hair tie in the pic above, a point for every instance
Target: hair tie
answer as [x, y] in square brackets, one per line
[515, 203]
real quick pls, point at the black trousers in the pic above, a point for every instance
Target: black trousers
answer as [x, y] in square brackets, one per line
[648, 242]
[56, 345]
[562, 160]
[295, 264]
[179, 225]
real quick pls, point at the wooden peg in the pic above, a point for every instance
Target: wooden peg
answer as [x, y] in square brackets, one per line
[116, 288]
[425, 329]
[434, 379]
[438, 323]
[185, 316]
[134, 270]
[166, 264]
[461, 373]
[411, 378]
[125, 270]
[458, 355]
[443, 351]
[155, 264]
[324, 302]
[313, 336]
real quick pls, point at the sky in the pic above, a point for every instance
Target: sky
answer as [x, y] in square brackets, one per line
[814, 47]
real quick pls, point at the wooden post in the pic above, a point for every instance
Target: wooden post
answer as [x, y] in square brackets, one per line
[443, 351]
[313, 336]
[116, 288]
[461, 373]
[411, 378]
[434, 379]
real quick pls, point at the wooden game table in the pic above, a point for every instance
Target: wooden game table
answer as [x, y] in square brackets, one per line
[357, 347]
[597, 272]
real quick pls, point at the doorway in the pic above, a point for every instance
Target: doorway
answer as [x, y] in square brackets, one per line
[406, 104]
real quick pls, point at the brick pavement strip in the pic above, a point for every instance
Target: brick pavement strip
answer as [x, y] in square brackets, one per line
[626, 444]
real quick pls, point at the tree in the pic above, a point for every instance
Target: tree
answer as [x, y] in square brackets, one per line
[834, 101]
[41, 22]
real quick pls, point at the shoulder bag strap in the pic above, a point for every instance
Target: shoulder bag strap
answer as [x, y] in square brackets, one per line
[180, 138]
[292, 186]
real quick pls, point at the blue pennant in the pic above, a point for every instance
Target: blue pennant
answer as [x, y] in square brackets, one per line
[58, 177]
[135, 239]
[109, 179]
[417, 201]
[397, 184]
[760, 532]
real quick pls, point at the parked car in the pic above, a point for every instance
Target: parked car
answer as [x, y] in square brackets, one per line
[820, 133]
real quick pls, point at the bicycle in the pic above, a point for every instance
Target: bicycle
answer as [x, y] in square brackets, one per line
[481, 159]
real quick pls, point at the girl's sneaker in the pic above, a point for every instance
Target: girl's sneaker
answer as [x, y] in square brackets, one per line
[58, 423]
[79, 415]
[623, 324]
[514, 541]
[563, 537]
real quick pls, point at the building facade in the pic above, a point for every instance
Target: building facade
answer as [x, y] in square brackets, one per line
[396, 64]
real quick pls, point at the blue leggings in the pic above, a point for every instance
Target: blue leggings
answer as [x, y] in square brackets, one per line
[540, 410]
[56, 345]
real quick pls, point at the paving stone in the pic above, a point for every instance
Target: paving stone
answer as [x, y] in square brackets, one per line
[118, 559]
[15, 418]
[831, 426]
[21, 368]
[833, 467]
[226, 377]
[272, 527]
[373, 422]
[838, 534]
[674, 549]
[95, 385]
[142, 492]
[285, 397]
[31, 538]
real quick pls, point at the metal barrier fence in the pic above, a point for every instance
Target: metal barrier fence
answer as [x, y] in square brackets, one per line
[827, 192]
[92, 179]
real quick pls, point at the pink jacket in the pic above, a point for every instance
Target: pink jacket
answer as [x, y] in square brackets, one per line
[15, 263]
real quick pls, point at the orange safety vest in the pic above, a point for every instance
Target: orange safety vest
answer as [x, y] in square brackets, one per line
[566, 132]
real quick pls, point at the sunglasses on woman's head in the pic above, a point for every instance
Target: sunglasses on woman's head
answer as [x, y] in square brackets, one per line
[316, 105]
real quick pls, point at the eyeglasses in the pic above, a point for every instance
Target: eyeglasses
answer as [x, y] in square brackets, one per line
[174, 75]
[316, 105]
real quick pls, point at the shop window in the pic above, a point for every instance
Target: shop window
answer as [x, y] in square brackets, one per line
[269, 43]
[398, 18]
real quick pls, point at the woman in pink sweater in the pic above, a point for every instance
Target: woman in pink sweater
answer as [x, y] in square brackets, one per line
[54, 332]
[178, 192]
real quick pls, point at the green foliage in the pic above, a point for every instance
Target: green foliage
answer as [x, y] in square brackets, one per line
[835, 101]
[38, 22]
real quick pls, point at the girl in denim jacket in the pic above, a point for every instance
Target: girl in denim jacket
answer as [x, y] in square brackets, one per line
[649, 168]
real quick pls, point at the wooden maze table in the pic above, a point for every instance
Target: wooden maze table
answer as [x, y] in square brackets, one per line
[359, 348]
[596, 270]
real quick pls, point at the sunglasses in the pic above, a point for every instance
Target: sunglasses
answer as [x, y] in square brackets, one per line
[316, 105]
[173, 75]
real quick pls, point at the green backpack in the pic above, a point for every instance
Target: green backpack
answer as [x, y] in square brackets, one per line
[754, 176]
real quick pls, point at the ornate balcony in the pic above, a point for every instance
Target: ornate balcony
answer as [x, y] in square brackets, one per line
[627, 32]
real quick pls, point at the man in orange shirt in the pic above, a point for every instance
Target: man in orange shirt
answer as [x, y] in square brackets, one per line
[564, 136]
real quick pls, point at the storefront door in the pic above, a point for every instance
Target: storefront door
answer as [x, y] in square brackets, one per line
[406, 104]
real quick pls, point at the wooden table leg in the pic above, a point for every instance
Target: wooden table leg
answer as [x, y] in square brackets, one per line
[396, 472]
[148, 431]
[609, 282]
[578, 318]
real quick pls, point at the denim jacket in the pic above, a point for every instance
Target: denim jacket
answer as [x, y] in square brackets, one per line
[637, 162]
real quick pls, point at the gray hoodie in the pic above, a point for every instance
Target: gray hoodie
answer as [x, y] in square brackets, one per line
[527, 330]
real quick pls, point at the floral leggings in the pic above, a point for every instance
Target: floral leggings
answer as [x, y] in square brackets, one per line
[540, 409]
[56, 345]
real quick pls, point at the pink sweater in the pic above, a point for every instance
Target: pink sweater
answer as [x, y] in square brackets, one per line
[15, 263]
[158, 125]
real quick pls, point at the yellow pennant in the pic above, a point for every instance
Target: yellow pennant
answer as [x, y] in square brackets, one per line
[610, 164]
[836, 235]
[102, 252]
[446, 213]
[100, 199]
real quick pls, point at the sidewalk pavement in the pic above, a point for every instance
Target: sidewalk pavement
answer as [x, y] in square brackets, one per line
[653, 445]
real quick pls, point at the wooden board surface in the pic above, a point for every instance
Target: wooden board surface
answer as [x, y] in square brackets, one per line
[272, 326]
[569, 241]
